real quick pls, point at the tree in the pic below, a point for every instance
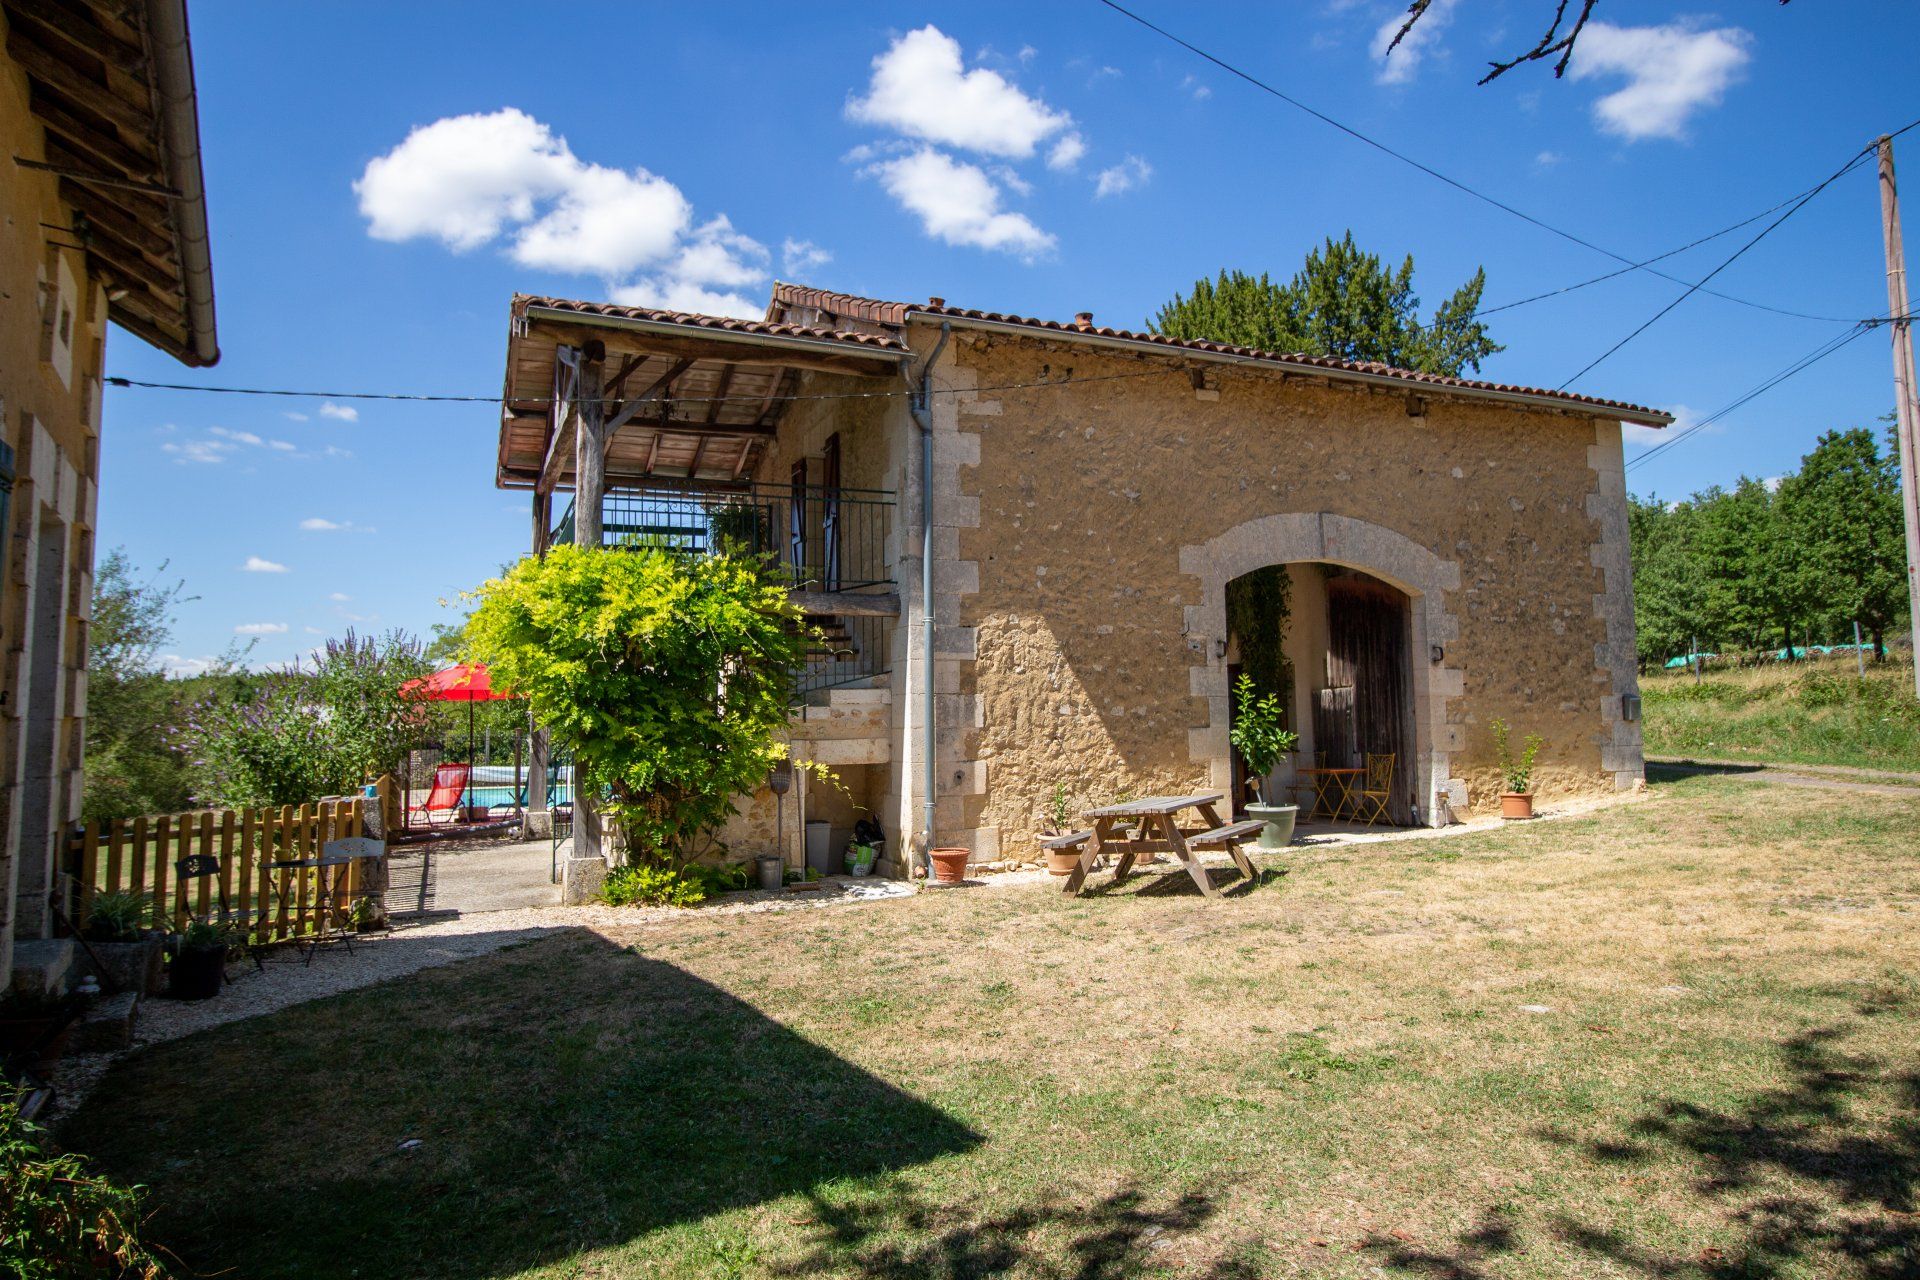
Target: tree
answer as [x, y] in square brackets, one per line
[1668, 596]
[371, 723]
[1560, 37]
[667, 674]
[1341, 303]
[1843, 510]
[133, 764]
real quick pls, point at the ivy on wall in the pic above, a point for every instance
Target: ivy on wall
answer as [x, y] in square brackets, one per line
[1259, 605]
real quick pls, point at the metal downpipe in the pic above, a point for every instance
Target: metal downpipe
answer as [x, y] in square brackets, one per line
[920, 404]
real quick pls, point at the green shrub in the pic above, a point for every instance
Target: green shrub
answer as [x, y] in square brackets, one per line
[60, 1222]
[1257, 733]
[652, 887]
[118, 915]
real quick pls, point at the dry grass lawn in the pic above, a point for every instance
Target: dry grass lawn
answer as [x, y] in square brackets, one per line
[1675, 1039]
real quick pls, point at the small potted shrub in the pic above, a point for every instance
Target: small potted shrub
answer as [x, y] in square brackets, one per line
[128, 951]
[1516, 772]
[365, 915]
[200, 964]
[1258, 735]
[1059, 814]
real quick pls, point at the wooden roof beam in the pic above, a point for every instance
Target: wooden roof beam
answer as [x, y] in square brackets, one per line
[630, 408]
[743, 351]
[63, 78]
[561, 416]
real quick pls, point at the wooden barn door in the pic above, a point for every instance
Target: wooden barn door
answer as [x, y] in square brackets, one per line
[1365, 708]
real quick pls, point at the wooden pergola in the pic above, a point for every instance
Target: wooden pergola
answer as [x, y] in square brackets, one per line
[601, 396]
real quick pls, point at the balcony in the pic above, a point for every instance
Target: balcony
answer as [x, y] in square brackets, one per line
[829, 544]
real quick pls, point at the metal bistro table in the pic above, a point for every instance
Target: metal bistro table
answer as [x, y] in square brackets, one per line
[1335, 791]
[328, 868]
[1157, 814]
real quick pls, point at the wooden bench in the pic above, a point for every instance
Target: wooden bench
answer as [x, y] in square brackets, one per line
[1072, 840]
[1225, 837]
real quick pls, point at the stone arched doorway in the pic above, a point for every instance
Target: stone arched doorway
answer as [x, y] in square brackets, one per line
[1414, 571]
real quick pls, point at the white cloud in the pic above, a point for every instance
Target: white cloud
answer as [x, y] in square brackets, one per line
[1684, 419]
[920, 88]
[238, 437]
[176, 667]
[1548, 159]
[1671, 71]
[197, 451]
[259, 564]
[319, 524]
[339, 597]
[1129, 173]
[799, 256]
[472, 180]
[1200, 91]
[260, 629]
[296, 417]
[339, 412]
[1400, 63]
[1067, 152]
[958, 203]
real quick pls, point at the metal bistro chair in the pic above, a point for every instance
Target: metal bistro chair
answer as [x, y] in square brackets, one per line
[1376, 790]
[205, 866]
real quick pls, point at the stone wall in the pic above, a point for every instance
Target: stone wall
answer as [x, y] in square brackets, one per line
[52, 352]
[1084, 533]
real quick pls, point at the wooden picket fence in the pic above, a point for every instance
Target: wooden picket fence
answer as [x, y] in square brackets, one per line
[140, 854]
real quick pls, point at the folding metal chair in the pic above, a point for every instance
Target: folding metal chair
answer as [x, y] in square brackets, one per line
[1376, 791]
[205, 866]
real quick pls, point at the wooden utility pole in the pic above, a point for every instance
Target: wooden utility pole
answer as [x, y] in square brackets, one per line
[589, 488]
[1906, 411]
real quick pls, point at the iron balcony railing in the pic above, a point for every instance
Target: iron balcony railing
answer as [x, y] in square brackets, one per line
[823, 540]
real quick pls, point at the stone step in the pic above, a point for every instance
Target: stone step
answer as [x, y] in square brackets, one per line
[107, 1024]
[850, 697]
[42, 967]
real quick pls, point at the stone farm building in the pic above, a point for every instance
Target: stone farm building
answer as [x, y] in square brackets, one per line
[1080, 499]
[106, 221]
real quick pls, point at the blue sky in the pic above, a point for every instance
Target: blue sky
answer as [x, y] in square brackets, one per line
[382, 178]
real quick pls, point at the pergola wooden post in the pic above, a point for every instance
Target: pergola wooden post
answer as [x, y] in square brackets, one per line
[589, 488]
[537, 821]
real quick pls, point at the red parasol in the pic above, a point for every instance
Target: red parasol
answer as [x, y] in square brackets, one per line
[467, 682]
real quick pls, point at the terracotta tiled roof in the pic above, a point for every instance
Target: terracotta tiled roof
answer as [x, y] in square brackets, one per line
[876, 311]
[694, 320]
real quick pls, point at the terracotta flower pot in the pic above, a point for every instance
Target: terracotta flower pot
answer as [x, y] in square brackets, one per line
[1061, 862]
[950, 865]
[1516, 805]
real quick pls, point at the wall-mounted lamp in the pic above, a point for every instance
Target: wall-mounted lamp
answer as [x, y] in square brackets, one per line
[1439, 654]
[1219, 648]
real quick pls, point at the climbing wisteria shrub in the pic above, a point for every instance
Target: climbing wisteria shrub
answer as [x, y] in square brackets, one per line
[667, 674]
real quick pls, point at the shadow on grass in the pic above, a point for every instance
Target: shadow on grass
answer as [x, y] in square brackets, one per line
[1659, 771]
[1121, 1234]
[1808, 1187]
[1158, 881]
[567, 1094]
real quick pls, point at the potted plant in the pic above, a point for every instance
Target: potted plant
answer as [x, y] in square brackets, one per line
[1059, 813]
[1261, 739]
[126, 950]
[34, 1030]
[200, 964]
[364, 915]
[1516, 773]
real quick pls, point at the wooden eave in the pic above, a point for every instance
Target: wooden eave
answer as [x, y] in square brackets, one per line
[692, 405]
[110, 83]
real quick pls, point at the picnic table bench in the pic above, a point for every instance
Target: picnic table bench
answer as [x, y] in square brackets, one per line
[1157, 814]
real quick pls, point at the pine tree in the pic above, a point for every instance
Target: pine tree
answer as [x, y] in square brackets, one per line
[1342, 303]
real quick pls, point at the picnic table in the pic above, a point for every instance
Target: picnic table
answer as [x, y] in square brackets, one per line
[1159, 833]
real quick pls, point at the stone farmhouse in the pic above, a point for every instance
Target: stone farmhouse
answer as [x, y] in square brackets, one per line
[1019, 538]
[106, 221]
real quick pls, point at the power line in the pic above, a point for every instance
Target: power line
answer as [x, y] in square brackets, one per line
[549, 400]
[1436, 174]
[1661, 257]
[1819, 353]
[1732, 258]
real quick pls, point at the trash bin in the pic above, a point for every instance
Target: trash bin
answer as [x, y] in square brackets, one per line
[772, 873]
[820, 847]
